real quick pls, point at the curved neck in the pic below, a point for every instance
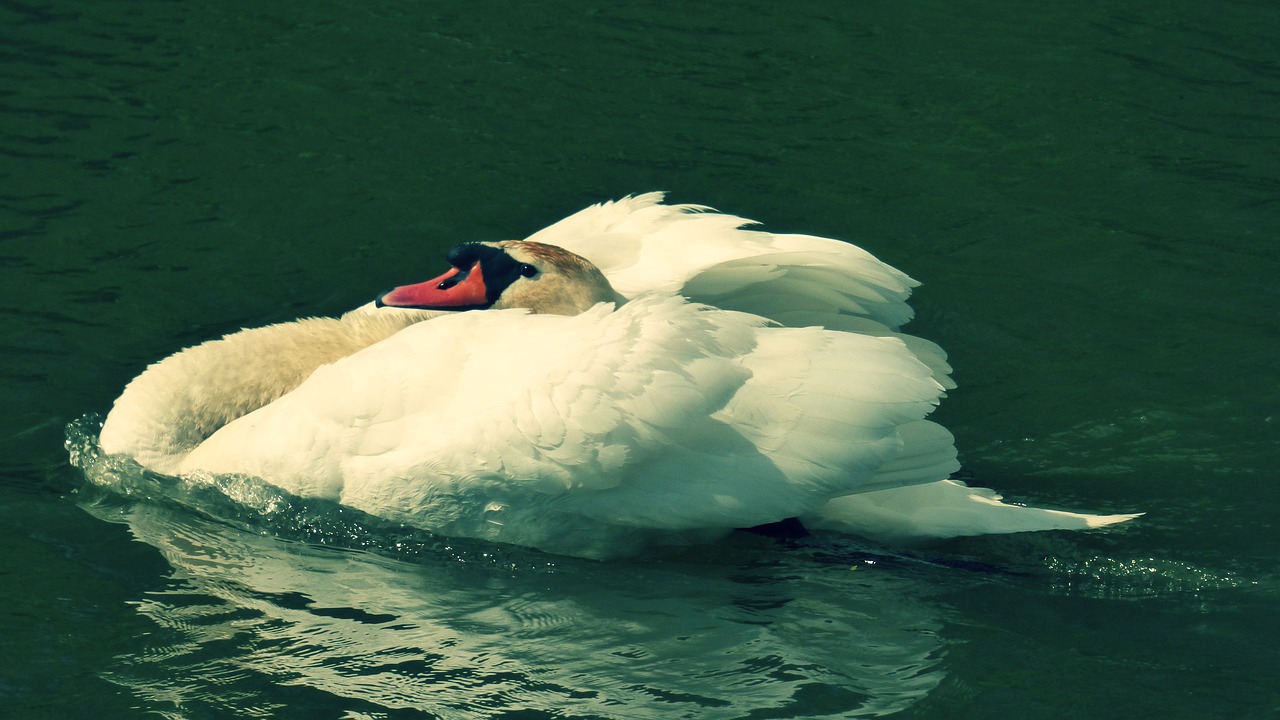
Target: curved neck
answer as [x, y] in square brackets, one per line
[175, 404]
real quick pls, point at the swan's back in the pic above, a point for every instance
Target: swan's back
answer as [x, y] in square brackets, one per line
[643, 246]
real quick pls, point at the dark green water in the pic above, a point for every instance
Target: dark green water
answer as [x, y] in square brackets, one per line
[1090, 194]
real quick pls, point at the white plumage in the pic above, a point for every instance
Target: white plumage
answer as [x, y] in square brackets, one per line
[656, 420]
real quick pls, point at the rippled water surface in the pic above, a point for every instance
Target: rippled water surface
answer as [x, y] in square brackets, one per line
[1088, 193]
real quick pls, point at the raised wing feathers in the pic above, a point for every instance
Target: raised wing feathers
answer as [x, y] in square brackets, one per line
[645, 246]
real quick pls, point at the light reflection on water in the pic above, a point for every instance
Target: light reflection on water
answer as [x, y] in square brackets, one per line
[1136, 578]
[391, 619]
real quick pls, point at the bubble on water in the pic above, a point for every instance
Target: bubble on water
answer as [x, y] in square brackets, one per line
[1132, 578]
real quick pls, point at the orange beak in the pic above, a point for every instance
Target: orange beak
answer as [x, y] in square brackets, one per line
[457, 289]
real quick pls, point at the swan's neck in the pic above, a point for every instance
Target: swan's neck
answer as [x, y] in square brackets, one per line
[176, 403]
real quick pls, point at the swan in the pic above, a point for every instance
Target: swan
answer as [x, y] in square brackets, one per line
[636, 374]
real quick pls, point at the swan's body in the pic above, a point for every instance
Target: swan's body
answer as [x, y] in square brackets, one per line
[565, 416]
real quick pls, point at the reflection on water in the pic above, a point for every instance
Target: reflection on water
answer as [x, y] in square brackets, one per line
[331, 610]
[276, 606]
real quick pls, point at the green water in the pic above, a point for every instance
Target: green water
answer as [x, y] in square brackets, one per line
[1089, 193]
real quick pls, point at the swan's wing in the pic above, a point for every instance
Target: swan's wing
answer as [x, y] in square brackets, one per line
[543, 404]
[645, 246]
[661, 415]
[827, 410]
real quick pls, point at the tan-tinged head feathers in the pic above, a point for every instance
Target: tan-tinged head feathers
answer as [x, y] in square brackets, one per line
[564, 284]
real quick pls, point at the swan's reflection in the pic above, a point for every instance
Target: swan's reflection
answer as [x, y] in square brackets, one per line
[257, 622]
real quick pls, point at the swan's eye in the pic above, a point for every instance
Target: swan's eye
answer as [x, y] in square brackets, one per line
[528, 270]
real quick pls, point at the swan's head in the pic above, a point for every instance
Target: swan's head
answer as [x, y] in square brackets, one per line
[510, 274]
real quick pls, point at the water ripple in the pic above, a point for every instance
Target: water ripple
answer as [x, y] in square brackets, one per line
[348, 612]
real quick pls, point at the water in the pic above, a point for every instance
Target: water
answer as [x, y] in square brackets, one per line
[1088, 193]
[462, 629]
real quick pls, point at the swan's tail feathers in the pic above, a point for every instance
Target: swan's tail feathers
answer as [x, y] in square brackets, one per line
[943, 509]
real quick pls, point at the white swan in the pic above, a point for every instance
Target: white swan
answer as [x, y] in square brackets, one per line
[593, 413]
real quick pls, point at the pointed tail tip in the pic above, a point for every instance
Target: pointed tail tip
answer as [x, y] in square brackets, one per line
[1097, 521]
